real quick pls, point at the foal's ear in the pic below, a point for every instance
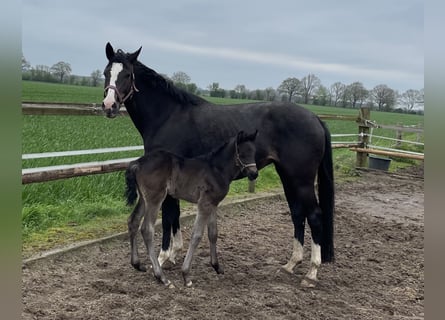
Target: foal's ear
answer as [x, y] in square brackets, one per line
[253, 135]
[242, 136]
[133, 56]
[109, 51]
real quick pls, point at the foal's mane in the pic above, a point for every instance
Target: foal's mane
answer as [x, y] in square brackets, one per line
[159, 82]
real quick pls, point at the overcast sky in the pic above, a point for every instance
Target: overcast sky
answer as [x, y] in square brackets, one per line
[255, 43]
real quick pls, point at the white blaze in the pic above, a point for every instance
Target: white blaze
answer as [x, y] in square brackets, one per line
[116, 68]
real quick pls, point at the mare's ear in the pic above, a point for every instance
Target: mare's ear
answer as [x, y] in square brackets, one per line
[133, 56]
[109, 51]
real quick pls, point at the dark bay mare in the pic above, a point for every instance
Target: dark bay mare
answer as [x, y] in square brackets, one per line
[204, 180]
[294, 139]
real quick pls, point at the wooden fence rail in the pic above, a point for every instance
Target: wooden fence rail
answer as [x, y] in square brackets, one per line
[42, 174]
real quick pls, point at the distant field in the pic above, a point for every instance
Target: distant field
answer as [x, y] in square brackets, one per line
[36, 91]
[85, 207]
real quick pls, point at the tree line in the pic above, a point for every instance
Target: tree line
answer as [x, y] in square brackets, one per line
[307, 90]
[310, 90]
[59, 72]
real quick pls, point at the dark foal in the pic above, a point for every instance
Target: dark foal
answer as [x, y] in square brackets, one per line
[203, 180]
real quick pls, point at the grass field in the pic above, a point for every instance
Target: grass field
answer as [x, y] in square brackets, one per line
[87, 207]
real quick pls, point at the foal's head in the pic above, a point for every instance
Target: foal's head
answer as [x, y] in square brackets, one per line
[245, 154]
[119, 79]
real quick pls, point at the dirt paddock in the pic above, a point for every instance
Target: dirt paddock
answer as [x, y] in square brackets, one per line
[378, 273]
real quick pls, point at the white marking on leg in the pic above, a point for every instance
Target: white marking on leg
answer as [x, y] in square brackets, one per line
[116, 68]
[315, 264]
[177, 245]
[297, 256]
[163, 256]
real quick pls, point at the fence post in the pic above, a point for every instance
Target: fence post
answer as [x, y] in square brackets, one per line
[363, 130]
[399, 135]
[252, 186]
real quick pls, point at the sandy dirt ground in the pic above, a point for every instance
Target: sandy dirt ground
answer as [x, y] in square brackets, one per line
[378, 273]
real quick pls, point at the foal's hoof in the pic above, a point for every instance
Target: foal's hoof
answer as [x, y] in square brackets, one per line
[188, 283]
[308, 283]
[139, 267]
[167, 283]
[218, 268]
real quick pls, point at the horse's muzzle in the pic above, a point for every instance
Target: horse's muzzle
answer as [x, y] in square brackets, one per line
[252, 174]
[110, 112]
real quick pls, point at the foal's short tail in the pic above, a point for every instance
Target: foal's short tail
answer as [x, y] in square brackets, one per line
[326, 199]
[130, 178]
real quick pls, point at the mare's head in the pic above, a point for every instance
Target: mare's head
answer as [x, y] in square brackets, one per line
[245, 154]
[119, 79]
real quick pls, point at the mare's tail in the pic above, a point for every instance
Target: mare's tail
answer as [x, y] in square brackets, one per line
[130, 178]
[326, 199]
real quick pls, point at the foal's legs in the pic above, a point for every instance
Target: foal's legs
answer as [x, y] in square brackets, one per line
[212, 231]
[205, 210]
[134, 221]
[153, 204]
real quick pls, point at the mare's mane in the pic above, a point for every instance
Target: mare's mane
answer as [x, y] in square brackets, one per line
[154, 79]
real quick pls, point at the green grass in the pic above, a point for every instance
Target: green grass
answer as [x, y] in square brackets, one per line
[35, 91]
[80, 208]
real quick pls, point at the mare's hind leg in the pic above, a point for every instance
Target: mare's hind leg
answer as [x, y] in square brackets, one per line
[314, 220]
[204, 211]
[303, 206]
[153, 204]
[298, 220]
[170, 222]
[302, 202]
[134, 221]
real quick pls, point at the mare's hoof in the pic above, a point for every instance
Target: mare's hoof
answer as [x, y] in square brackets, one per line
[287, 269]
[308, 283]
[139, 267]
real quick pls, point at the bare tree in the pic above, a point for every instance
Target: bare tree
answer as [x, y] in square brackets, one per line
[180, 77]
[308, 85]
[26, 66]
[336, 91]
[357, 93]
[290, 87]
[61, 69]
[411, 98]
[270, 94]
[384, 97]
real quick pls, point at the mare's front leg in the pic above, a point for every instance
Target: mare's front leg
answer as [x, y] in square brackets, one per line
[153, 203]
[212, 232]
[134, 221]
[204, 211]
[170, 222]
